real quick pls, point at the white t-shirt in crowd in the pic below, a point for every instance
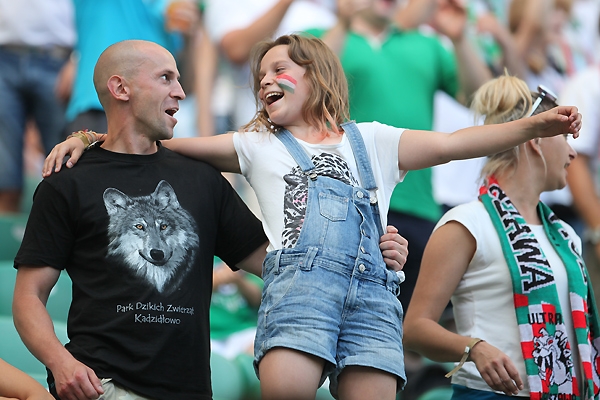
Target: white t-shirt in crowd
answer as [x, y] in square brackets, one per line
[224, 16]
[37, 23]
[583, 91]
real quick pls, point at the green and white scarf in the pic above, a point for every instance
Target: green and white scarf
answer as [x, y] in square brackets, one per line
[546, 348]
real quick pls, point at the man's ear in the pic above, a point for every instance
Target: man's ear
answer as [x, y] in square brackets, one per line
[118, 88]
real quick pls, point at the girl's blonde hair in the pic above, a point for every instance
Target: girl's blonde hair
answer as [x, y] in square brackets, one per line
[503, 99]
[327, 104]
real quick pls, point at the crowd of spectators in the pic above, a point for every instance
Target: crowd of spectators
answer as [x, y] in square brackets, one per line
[410, 63]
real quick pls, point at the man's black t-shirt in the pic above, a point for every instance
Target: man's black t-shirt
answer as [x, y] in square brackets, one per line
[137, 235]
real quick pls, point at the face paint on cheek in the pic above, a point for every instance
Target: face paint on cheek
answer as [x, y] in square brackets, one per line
[286, 82]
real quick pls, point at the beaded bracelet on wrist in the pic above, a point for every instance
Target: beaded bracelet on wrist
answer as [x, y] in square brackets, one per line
[86, 136]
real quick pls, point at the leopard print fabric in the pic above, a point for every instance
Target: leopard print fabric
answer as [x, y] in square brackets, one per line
[296, 192]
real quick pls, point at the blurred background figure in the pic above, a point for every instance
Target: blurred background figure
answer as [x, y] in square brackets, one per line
[234, 311]
[583, 90]
[233, 27]
[36, 39]
[538, 28]
[162, 22]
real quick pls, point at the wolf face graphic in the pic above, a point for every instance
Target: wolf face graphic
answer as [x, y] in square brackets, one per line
[152, 235]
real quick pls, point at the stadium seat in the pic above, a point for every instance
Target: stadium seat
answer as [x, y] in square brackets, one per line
[7, 286]
[59, 299]
[12, 228]
[438, 393]
[323, 392]
[14, 352]
[251, 384]
[227, 380]
[29, 185]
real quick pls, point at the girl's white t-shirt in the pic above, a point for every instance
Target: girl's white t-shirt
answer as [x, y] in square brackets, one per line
[276, 179]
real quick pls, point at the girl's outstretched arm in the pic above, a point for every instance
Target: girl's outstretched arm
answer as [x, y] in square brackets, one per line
[218, 151]
[422, 149]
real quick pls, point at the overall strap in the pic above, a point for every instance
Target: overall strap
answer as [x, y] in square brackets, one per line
[297, 152]
[360, 156]
[364, 167]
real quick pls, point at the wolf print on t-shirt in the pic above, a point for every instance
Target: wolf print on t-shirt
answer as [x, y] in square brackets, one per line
[152, 235]
[296, 192]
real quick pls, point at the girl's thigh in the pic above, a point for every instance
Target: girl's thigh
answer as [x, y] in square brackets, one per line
[289, 374]
[357, 383]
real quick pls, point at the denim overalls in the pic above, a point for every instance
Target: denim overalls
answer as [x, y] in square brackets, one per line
[331, 295]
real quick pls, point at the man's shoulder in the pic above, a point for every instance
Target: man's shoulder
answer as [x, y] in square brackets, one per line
[188, 162]
[66, 174]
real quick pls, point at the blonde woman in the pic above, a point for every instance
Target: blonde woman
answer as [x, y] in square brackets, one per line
[524, 312]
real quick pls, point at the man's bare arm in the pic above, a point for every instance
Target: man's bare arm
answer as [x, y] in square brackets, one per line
[73, 379]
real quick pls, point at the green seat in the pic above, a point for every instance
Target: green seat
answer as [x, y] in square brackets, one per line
[251, 384]
[14, 351]
[323, 392]
[12, 228]
[29, 185]
[227, 380]
[7, 287]
[59, 299]
[438, 393]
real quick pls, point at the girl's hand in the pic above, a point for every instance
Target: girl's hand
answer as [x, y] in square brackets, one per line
[394, 249]
[72, 146]
[560, 120]
[496, 368]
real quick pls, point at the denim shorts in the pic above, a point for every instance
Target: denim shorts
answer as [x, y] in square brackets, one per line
[343, 313]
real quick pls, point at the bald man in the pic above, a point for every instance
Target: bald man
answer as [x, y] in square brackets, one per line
[136, 227]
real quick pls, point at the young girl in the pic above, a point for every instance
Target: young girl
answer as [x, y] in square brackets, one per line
[523, 305]
[329, 306]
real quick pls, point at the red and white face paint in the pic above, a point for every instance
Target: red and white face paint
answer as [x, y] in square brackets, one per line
[286, 82]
